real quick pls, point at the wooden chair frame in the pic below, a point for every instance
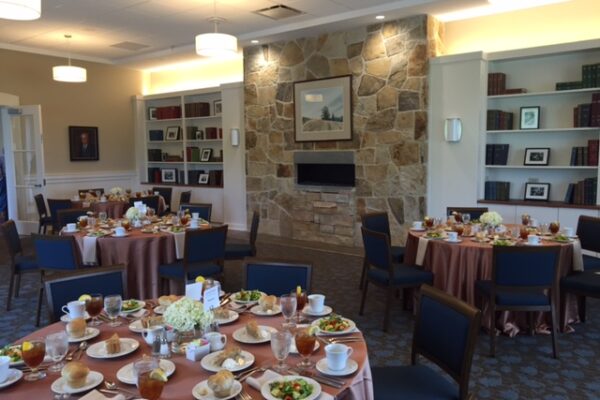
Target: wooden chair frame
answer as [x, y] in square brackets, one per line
[65, 212]
[363, 218]
[43, 213]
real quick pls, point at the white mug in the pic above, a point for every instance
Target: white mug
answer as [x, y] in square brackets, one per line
[453, 236]
[316, 302]
[217, 340]
[195, 215]
[119, 231]
[194, 223]
[337, 355]
[4, 366]
[72, 227]
[569, 232]
[533, 239]
[417, 225]
[74, 308]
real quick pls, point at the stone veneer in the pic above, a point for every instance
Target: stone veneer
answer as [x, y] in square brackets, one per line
[389, 64]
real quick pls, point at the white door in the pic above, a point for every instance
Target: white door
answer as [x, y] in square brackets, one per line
[24, 158]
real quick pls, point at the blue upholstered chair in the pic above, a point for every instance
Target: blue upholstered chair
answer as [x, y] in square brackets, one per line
[185, 197]
[64, 287]
[474, 212]
[588, 231]
[445, 333]
[167, 194]
[204, 255]
[203, 209]
[383, 272]
[523, 279]
[45, 219]
[19, 263]
[237, 251]
[277, 277]
[54, 205]
[70, 215]
[149, 201]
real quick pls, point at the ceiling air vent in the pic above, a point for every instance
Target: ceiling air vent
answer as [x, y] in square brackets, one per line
[279, 11]
[131, 46]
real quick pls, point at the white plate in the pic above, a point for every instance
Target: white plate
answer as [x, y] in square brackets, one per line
[47, 358]
[351, 367]
[125, 374]
[233, 316]
[258, 310]
[136, 326]
[98, 350]
[66, 318]
[265, 389]
[326, 310]
[234, 298]
[93, 379]
[242, 336]
[13, 376]
[90, 333]
[141, 305]
[351, 327]
[160, 310]
[208, 364]
[417, 229]
[201, 388]
[294, 350]
[434, 238]
[453, 241]
[119, 236]
[532, 244]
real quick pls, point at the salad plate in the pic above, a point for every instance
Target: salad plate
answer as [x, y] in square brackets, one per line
[285, 386]
[90, 333]
[67, 318]
[245, 360]
[325, 311]
[132, 305]
[242, 336]
[14, 352]
[98, 350]
[233, 316]
[13, 376]
[258, 310]
[247, 296]
[334, 325]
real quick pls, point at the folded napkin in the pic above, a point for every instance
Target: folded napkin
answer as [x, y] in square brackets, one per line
[179, 243]
[96, 395]
[88, 253]
[421, 249]
[257, 383]
[577, 256]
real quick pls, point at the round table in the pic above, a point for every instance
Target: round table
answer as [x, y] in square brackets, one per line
[188, 373]
[114, 208]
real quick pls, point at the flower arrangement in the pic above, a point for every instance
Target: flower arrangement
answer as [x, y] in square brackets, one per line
[117, 191]
[490, 218]
[133, 213]
[186, 314]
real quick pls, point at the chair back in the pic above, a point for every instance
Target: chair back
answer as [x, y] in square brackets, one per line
[70, 216]
[205, 245]
[376, 221]
[446, 333]
[40, 204]
[277, 277]
[56, 252]
[474, 212]
[522, 267]
[166, 193]
[254, 230]
[377, 249]
[185, 197]
[203, 209]
[11, 238]
[57, 204]
[149, 201]
[65, 287]
[588, 230]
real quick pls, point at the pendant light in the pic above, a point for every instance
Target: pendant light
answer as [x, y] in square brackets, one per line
[20, 10]
[69, 73]
[216, 44]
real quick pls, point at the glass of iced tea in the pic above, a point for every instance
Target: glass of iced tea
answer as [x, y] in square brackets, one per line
[301, 300]
[305, 343]
[524, 232]
[554, 227]
[94, 306]
[184, 219]
[428, 222]
[83, 221]
[150, 378]
[33, 353]
[459, 228]
[125, 224]
[525, 219]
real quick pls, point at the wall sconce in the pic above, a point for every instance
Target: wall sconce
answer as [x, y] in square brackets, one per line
[235, 137]
[452, 129]
[265, 51]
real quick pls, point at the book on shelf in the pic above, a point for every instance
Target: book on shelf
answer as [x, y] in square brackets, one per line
[590, 75]
[199, 109]
[499, 120]
[156, 135]
[168, 112]
[496, 83]
[515, 91]
[154, 175]
[592, 150]
[154, 155]
[496, 154]
[497, 190]
[215, 177]
[569, 193]
[572, 85]
[595, 109]
[193, 176]
[582, 192]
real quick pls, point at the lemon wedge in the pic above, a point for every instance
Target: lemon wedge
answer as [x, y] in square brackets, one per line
[158, 374]
[298, 289]
[85, 297]
[312, 331]
[26, 346]
[200, 279]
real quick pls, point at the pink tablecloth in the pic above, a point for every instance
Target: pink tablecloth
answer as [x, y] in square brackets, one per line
[114, 209]
[188, 373]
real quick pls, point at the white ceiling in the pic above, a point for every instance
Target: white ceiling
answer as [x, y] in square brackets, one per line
[168, 27]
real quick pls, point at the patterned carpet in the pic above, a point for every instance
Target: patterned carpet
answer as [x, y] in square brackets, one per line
[523, 369]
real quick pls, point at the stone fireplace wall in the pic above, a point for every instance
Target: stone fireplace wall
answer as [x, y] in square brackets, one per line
[388, 63]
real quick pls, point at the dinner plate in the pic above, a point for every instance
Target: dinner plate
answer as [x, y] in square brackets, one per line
[418, 229]
[234, 297]
[93, 379]
[294, 350]
[309, 311]
[208, 362]
[119, 236]
[350, 328]
[242, 336]
[486, 240]
[351, 367]
[453, 241]
[126, 375]
[13, 376]
[434, 238]
[233, 316]
[140, 305]
[67, 318]
[202, 392]
[258, 310]
[98, 350]
[136, 326]
[90, 333]
[159, 310]
[265, 389]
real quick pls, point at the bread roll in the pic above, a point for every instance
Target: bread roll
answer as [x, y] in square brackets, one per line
[221, 383]
[113, 345]
[76, 328]
[254, 330]
[221, 313]
[166, 301]
[75, 373]
[267, 302]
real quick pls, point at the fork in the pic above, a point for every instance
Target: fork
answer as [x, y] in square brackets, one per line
[245, 395]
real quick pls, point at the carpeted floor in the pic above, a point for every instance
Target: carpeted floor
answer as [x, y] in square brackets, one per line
[523, 369]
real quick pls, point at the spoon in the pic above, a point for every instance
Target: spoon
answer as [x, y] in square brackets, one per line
[70, 356]
[82, 348]
[113, 386]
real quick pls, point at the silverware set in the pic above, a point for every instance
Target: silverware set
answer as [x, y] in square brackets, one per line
[326, 380]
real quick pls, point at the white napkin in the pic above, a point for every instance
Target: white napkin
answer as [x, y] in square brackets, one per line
[577, 256]
[96, 395]
[257, 383]
[179, 243]
[421, 249]
[89, 250]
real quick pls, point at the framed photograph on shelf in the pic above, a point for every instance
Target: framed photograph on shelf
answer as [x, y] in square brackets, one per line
[83, 143]
[323, 109]
[168, 175]
[537, 191]
[152, 113]
[537, 156]
[199, 134]
[203, 179]
[205, 155]
[217, 107]
[172, 133]
[530, 118]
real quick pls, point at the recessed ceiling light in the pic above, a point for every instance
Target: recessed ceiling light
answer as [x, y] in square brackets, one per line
[380, 17]
[254, 41]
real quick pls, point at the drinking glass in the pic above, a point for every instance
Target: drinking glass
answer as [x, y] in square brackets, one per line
[94, 308]
[33, 353]
[128, 191]
[305, 343]
[288, 307]
[112, 306]
[57, 345]
[466, 218]
[103, 216]
[301, 300]
[525, 219]
[280, 345]
[524, 232]
[150, 212]
[149, 388]
[91, 222]
[428, 222]
[459, 229]
[83, 221]
[554, 227]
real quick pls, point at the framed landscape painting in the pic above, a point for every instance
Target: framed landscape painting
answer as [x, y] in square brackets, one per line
[323, 109]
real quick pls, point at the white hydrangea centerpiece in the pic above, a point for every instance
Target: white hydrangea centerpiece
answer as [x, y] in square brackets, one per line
[187, 314]
[490, 218]
[117, 191]
[133, 213]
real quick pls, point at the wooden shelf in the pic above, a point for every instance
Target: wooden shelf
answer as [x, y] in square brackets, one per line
[549, 93]
[547, 167]
[151, 121]
[593, 129]
[182, 185]
[201, 118]
[165, 162]
[550, 204]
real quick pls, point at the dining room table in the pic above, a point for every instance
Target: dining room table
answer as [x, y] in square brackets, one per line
[114, 208]
[188, 374]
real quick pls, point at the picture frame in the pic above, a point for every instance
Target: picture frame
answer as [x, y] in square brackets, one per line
[200, 134]
[203, 179]
[83, 143]
[537, 191]
[323, 109]
[152, 113]
[168, 175]
[205, 155]
[172, 133]
[217, 107]
[537, 156]
[530, 118]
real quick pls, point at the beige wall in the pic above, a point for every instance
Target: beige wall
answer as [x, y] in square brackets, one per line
[103, 101]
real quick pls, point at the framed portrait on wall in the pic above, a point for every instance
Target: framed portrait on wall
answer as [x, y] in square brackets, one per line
[83, 143]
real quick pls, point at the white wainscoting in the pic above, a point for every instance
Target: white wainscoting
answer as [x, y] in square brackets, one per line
[66, 185]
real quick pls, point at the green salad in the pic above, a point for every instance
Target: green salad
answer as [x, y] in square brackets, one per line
[14, 352]
[129, 305]
[295, 389]
[248, 295]
[503, 242]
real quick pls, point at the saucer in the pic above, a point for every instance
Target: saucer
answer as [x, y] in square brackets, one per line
[453, 241]
[119, 236]
[66, 318]
[351, 367]
[532, 244]
[326, 310]
[13, 376]
[417, 229]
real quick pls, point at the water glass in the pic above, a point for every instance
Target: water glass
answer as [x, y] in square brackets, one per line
[112, 306]
[466, 218]
[92, 222]
[280, 345]
[57, 345]
[288, 304]
[103, 216]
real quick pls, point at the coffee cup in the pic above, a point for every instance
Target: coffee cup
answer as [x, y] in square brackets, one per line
[316, 302]
[417, 225]
[534, 223]
[74, 308]
[337, 355]
[195, 215]
[452, 236]
[119, 231]
[194, 223]
[217, 340]
[4, 366]
[569, 232]
[533, 239]
[71, 227]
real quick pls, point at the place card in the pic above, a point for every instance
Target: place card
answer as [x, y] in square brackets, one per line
[194, 291]
[211, 298]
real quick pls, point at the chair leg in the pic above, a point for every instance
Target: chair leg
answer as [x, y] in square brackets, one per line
[40, 227]
[10, 290]
[581, 307]
[18, 286]
[364, 297]
[388, 308]
[554, 330]
[39, 306]
[531, 323]
[363, 275]
[492, 331]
